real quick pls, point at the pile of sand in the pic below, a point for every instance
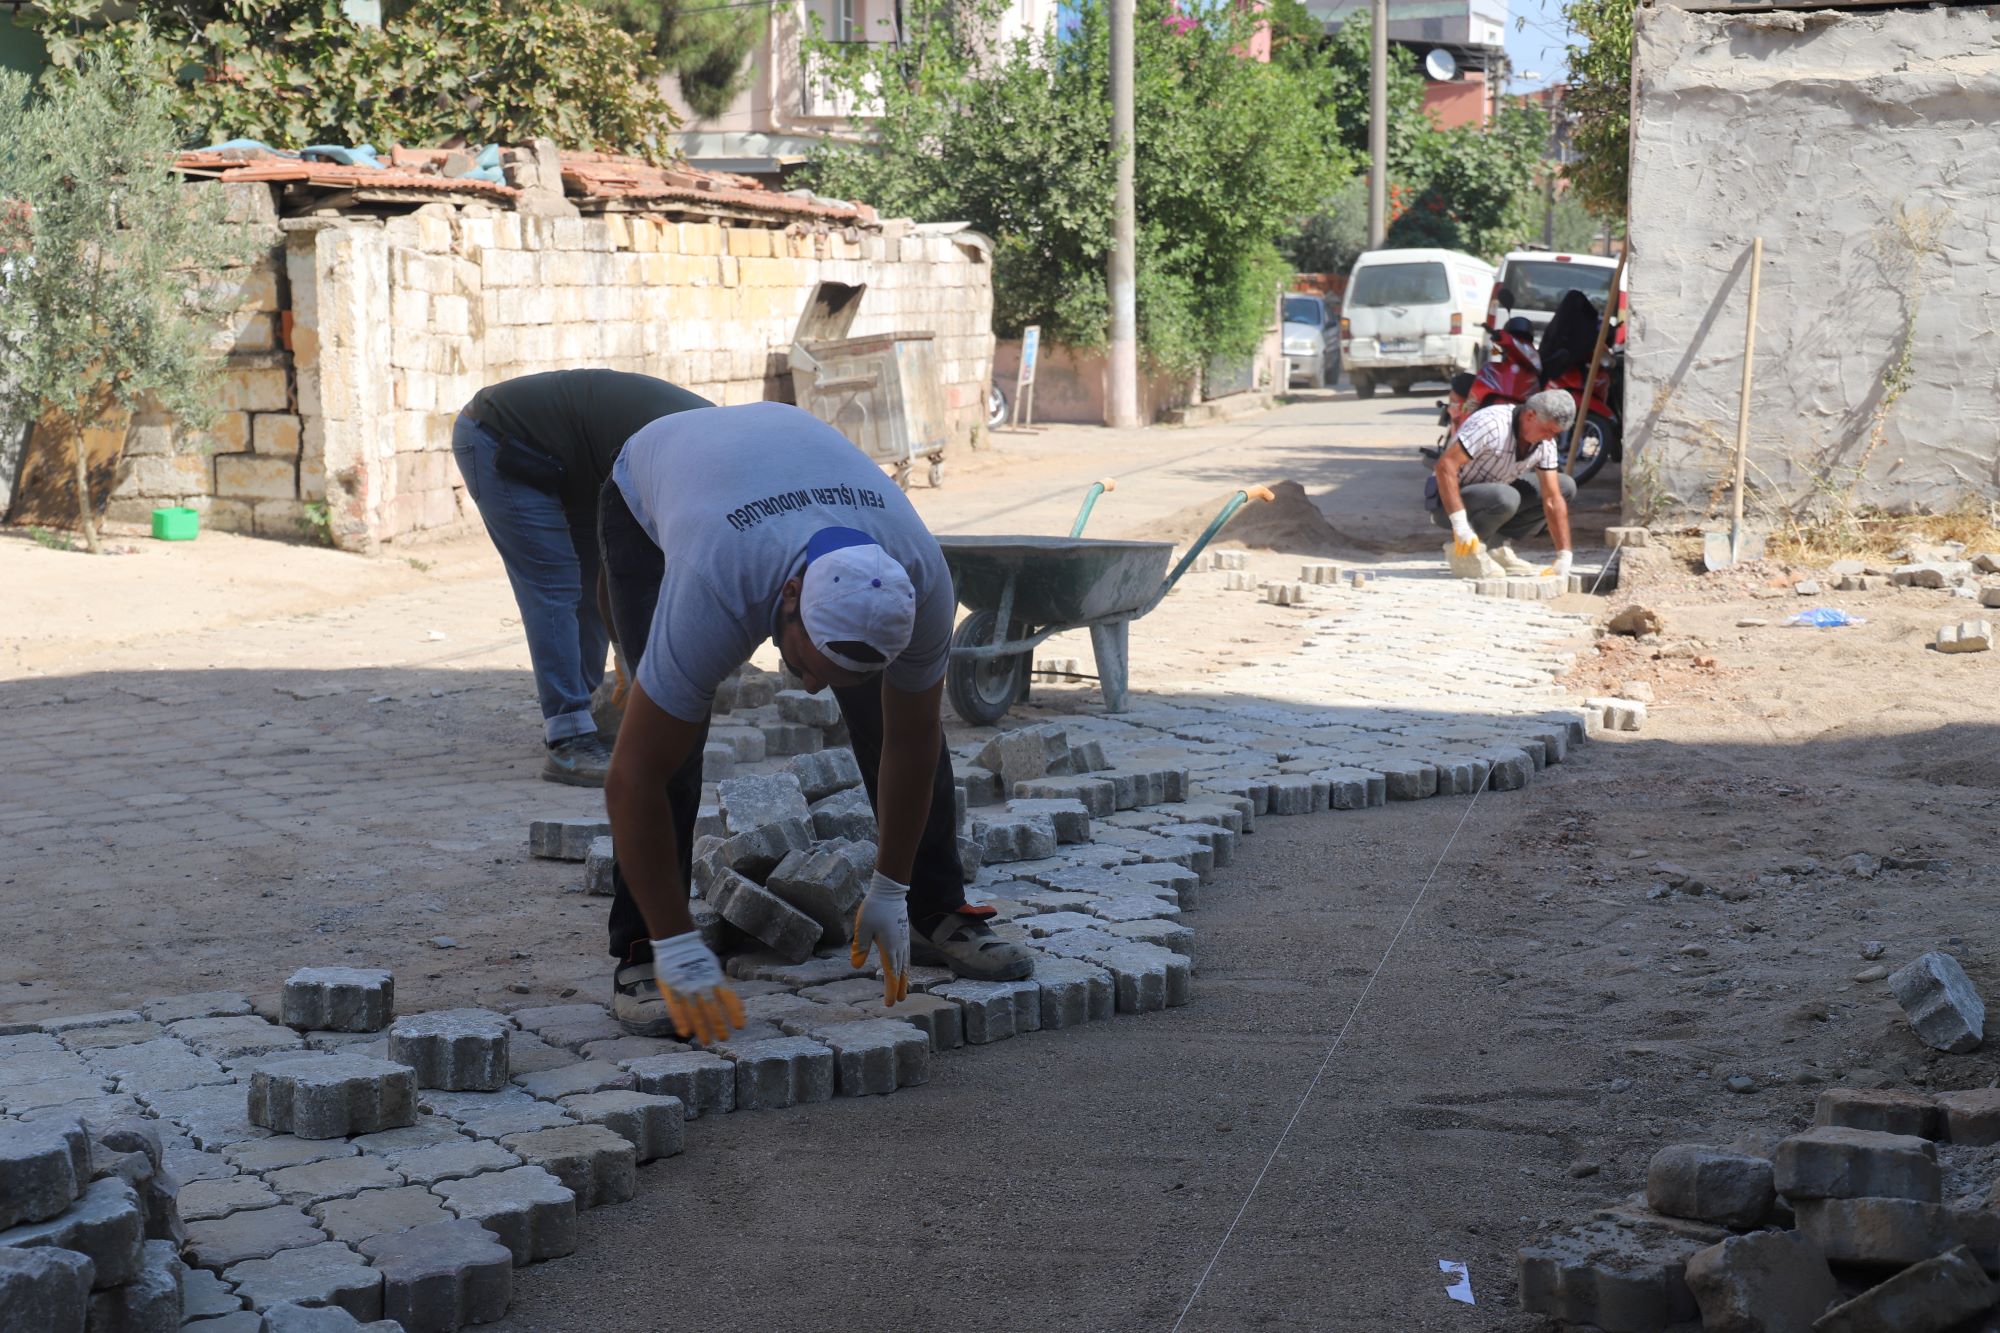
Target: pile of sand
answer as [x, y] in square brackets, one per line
[1290, 524]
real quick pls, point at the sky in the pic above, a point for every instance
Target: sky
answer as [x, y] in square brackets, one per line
[1536, 41]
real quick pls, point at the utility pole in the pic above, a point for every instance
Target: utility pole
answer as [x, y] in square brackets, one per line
[1121, 408]
[1378, 123]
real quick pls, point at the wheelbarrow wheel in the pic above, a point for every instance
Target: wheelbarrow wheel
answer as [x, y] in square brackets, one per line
[981, 690]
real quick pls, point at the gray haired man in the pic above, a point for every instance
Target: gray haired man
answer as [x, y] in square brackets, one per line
[1483, 487]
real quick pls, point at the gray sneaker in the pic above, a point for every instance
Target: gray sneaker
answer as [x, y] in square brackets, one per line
[637, 1004]
[577, 761]
[970, 949]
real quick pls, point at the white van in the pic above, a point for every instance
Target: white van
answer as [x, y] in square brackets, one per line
[1531, 282]
[1413, 315]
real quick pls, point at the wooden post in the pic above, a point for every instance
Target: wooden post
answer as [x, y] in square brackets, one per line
[1743, 404]
[1596, 356]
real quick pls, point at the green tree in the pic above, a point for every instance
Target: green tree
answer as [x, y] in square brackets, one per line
[1469, 188]
[1013, 140]
[1599, 98]
[103, 252]
[299, 72]
[703, 44]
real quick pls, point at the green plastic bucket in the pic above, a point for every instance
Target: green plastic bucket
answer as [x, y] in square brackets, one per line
[176, 524]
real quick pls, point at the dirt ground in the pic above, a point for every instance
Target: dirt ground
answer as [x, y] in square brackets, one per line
[235, 758]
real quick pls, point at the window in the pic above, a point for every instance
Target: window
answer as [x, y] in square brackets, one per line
[1399, 284]
[1305, 310]
[1540, 284]
[844, 29]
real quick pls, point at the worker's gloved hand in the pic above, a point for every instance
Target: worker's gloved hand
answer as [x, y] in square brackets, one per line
[698, 997]
[882, 922]
[1561, 567]
[1464, 540]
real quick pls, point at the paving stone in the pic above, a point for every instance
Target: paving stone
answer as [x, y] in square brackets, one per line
[118, 1034]
[201, 1200]
[256, 1233]
[378, 1212]
[1166, 934]
[1618, 714]
[188, 1163]
[1768, 1282]
[1894, 1233]
[44, 1167]
[819, 711]
[570, 1080]
[846, 815]
[45, 1289]
[598, 864]
[76, 1022]
[328, 1273]
[335, 1178]
[994, 1010]
[1026, 754]
[654, 1125]
[315, 1319]
[763, 966]
[1967, 637]
[106, 1224]
[1072, 992]
[764, 916]
[876, 1056]
[1710, 1185]
[981, 786]
[150, 1302]
[162, 1065]
[454, 1050]
[823, 774]
[529, 1210]
[1295, 794]
[752, 803]
[1004, 839]
[620, 1049]
[565, 839]
[1833, 1163]
[1971, 1117]
[1098, 797]
[443, 1276]
[826, 884]
[756, 853]
[1929, 1297]
[596, 1164]
[1134, 787]
[529, 1054]
[704, 1084]
[718, 761]
[747, 743]
[778, 1072]
[492, 1115]
[205, 1295]
[1882, 1110]
[275, 1153]
[227, 1039]
[936, 1017]
[1941, 1003]
[429, 1131]
[1069, 818]
[206, 1004]
[332, 1096]
[452, 1161]
[339, 999]
[1619, 1280]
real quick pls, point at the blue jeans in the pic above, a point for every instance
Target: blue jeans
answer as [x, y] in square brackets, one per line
[551, 560]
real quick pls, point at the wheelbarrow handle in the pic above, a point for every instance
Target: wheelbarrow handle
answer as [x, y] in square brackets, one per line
[1236, 502]
[1097, 488]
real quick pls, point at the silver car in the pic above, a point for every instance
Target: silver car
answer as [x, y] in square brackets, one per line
[1312, 347]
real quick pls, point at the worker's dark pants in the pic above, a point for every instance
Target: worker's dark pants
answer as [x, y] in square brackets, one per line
[633, 566]
[1509, 511]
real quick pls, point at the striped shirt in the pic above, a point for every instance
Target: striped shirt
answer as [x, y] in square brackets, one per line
[1488, 436]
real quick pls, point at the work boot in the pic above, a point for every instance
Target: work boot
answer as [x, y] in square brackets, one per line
[971, 950]
[1479, 565]
[577, 761]
[1513, 565]
[637, 1004]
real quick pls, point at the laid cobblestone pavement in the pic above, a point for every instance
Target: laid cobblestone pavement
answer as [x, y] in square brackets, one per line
[1410, 687]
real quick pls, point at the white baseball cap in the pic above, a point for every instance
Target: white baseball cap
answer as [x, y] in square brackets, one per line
[856, 595]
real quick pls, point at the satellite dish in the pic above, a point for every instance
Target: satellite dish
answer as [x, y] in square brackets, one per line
[1440, 65]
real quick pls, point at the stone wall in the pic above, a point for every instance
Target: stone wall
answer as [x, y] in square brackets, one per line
[360, 341]
[1860, 146]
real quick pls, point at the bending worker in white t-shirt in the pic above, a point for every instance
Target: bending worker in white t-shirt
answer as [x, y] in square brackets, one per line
[720, 528]
[1483, 491]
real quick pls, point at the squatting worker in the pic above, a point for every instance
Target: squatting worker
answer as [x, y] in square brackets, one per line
[1483, 486]
[535, 452]
[722, 528]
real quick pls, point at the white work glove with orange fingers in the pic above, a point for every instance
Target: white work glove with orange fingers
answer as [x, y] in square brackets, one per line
[1561, 567]
[1464, 540]
[882, 923]
[698, 997]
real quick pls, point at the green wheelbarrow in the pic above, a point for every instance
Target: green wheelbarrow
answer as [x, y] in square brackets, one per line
[1022, 590]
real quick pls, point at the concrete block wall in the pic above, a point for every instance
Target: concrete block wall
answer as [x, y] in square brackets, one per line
[359, 342]
[1860, 146]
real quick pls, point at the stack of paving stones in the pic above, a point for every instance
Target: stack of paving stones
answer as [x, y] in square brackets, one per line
[1876, 1219]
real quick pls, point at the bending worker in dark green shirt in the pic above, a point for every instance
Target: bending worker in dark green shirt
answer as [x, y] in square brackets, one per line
[535, 452]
